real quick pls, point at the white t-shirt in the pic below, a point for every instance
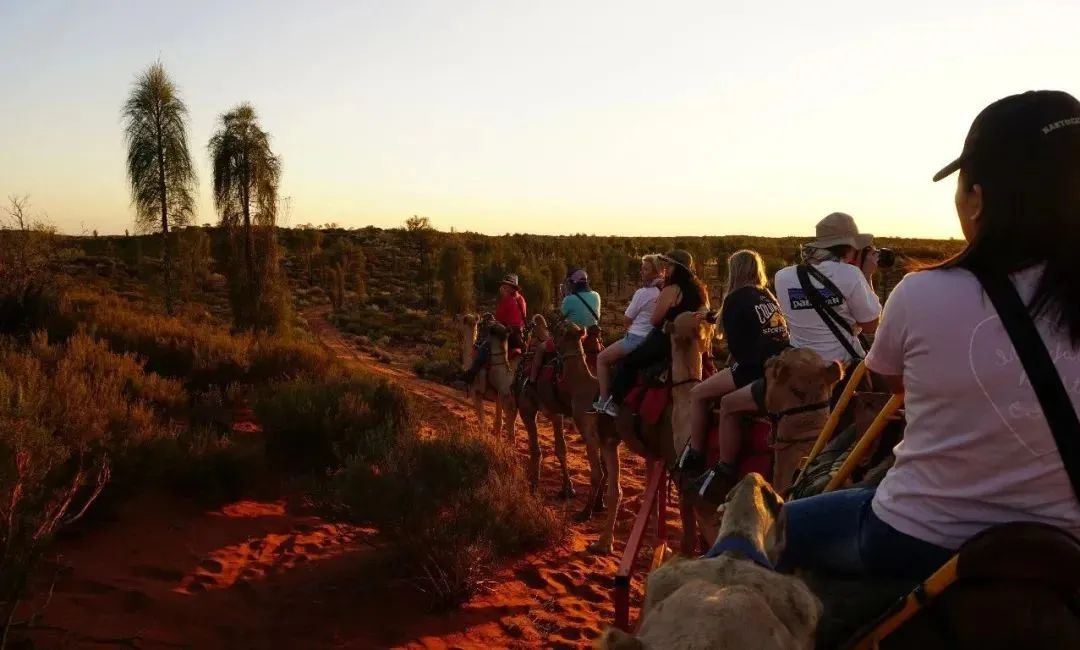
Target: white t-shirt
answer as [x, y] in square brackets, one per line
[858, 304]
[641, 310]
[977, 450]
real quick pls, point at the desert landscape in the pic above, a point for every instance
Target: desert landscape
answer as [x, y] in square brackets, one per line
[243, 512]
[455, 325]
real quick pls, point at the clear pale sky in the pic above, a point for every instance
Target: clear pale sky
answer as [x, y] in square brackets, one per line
[662, 118]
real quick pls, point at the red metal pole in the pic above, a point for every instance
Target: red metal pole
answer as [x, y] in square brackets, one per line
[621, 594]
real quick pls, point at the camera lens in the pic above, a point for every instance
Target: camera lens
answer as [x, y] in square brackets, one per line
[886, 258]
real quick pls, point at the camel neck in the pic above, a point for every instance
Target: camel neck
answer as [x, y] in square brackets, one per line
[574, 366]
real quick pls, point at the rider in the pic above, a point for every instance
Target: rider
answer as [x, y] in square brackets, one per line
[638, 322]
[839, 266]
[755, 330]
[510, 311]
[581, 305]
[682, 292]
[977, 450]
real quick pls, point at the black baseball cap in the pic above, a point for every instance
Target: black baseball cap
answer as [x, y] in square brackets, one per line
[1016, 127]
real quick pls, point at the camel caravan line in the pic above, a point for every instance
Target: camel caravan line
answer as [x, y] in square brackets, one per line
[1012, 586]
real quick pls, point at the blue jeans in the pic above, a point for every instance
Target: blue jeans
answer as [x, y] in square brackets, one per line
[839, 534]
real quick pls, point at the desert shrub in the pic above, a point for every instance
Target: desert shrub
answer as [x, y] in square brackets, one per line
[192, 462]
[66, 411]
[318, 424]
[200, 354]
[452, 506]
[275, 358]
[441, 364]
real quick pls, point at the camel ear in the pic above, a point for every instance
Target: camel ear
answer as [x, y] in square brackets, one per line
[772, 500]
[616, 639]
[833, 373]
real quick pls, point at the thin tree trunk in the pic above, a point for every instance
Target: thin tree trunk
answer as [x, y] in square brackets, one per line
[249, 249]
[166, 257]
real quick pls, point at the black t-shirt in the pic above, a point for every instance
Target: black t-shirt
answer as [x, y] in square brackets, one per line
[753, 325]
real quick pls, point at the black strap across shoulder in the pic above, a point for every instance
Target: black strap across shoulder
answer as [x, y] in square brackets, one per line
[836, 323]
[1039, 365]
[588, 306]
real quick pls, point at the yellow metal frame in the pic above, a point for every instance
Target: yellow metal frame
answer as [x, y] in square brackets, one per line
[862, 447]
[834, 419]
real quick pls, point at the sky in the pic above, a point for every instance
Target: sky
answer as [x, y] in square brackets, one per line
[628, 118]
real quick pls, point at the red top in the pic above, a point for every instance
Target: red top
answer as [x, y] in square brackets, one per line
[510, 310]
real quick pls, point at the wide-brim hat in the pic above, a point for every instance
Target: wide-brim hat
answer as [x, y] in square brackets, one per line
[839, 229]
[511, 280]
[679, 257]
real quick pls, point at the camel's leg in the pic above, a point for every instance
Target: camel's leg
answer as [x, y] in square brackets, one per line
[567, 491]
[528, 418]
[478, 406]
[510, 405]
[496, 427]
[596, 471]
[614, 493]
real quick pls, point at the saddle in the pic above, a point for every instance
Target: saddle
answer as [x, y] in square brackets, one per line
[755, 453]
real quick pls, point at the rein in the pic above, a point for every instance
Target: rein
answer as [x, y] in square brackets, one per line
[691, 380]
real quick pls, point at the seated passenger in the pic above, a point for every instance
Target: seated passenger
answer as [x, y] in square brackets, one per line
[977, 450]
[638, 323]
[839, 267]
[755, 331]
[682, 292]
[581, 306]
[510, 311]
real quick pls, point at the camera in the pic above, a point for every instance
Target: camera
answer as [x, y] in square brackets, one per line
[886, 257]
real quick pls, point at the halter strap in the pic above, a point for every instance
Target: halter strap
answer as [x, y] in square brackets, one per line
[691, 380]
[776, 416]
[742, 545]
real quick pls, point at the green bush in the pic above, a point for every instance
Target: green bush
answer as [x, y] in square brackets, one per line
[314, 425]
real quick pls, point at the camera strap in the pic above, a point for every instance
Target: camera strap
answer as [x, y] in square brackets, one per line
[1039, 366]
[840, 328]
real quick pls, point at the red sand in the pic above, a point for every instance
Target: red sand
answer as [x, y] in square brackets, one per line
[265, 575]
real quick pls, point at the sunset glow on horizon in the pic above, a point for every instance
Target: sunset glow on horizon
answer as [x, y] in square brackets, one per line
[630, 118]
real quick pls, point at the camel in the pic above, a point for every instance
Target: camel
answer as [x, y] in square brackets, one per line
[689, 339]
[498, 376]
[798, 384]
[733, 600]
[556, 401]
[572, 397]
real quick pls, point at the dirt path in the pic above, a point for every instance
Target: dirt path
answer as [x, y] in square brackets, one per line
[264, 574]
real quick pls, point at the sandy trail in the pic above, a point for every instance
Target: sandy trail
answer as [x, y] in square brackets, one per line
[263, 574]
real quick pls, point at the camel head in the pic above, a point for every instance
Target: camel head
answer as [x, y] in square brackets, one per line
[690, 329]
[750, 510]
[799, 376]
[467, 320]
[540, 330]
[568, 338]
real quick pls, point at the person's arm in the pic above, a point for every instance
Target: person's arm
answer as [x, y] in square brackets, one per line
[886, 356]
[524, 309]
[667, 298]
[864, 303]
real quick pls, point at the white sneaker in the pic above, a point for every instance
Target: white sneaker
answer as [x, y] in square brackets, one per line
[611, 409]
[597, 406]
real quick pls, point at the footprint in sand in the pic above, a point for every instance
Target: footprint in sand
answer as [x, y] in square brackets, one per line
[530, 575]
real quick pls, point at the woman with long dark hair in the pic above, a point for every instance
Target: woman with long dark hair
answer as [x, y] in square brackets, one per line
[977, 450]
[682, 292]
